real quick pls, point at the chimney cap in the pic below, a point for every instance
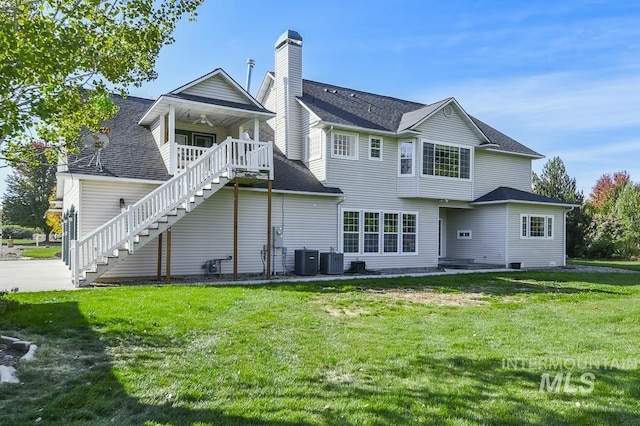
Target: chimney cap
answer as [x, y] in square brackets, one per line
[289, 36]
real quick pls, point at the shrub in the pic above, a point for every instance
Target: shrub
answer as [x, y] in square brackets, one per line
[17, 232]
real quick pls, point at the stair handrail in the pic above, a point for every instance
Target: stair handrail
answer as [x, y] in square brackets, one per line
[123, 228]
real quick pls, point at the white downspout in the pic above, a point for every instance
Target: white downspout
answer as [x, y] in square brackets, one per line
[506, 237]
[339, 227]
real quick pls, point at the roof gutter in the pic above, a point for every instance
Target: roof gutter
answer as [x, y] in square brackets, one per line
[521, 154]
[513, 201]
[322, 124]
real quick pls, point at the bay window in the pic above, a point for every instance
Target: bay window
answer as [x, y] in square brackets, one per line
[446, 160]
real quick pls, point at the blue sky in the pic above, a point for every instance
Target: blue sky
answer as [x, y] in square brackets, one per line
[562, 77]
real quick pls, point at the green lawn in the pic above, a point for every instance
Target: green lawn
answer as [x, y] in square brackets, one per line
[459, 350]
[30, 242]
[633, 265]
[41, 252]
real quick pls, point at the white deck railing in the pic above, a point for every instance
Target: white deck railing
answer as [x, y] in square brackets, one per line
[187, 154]
[120, 232]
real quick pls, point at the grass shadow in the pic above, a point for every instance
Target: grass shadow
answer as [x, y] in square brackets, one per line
[489, 283]
[464, 391]
[72, 379]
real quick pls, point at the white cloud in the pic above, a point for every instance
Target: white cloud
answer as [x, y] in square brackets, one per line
[562, 102]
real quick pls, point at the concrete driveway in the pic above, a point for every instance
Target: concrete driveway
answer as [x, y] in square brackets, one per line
[34, 275]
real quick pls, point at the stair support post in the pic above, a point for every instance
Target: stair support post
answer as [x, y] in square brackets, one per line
[235, 229]
[159, 270]
[269, 243]
[168, 277]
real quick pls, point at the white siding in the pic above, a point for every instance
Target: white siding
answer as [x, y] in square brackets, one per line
[536, 252]
[217, 87]
[269, 100]
[207, 233]
[156, 131]
[71, 194]
[487, 225]
[288, 63]
[492, 170]
[365, 179]
[101, 201]
[454, 129]
[445, 188]
[165, 153]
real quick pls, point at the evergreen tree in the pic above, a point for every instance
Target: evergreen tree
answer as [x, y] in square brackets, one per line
[555, 182]
[28, 190]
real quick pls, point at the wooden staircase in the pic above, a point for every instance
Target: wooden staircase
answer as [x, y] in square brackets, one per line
[106, 246]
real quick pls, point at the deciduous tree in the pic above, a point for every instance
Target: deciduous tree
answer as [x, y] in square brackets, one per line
[61, 59]
[605, 192]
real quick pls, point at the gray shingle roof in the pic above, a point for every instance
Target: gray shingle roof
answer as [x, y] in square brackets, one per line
[341, 105]
[506, 194]
[504, 142]
[350, 107]
[293, 175]
[132, 152]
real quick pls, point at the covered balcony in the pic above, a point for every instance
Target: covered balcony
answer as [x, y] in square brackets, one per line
[185, 126]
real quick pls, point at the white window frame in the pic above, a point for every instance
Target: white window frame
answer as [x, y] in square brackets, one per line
[413, 158]
[464, 234]
[371, 139]
[424, 141]
[353, 145]
[525, 227]
[208, 137]
[342, 231]
[400, 232]
[182, 139]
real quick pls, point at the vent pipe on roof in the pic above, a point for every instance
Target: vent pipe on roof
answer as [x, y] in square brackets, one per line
[250, 64]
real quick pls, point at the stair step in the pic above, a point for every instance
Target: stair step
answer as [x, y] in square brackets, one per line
[151, 231]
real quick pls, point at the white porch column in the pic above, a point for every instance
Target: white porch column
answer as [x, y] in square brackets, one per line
[173, 149]
[256, 130]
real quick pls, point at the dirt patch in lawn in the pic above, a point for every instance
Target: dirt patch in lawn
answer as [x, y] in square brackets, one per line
[346, 312]
[429, 297]
[367, 301]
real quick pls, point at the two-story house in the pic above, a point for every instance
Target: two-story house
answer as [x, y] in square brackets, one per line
[206, 173]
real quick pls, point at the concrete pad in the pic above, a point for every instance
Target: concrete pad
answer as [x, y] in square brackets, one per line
[28, 275]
